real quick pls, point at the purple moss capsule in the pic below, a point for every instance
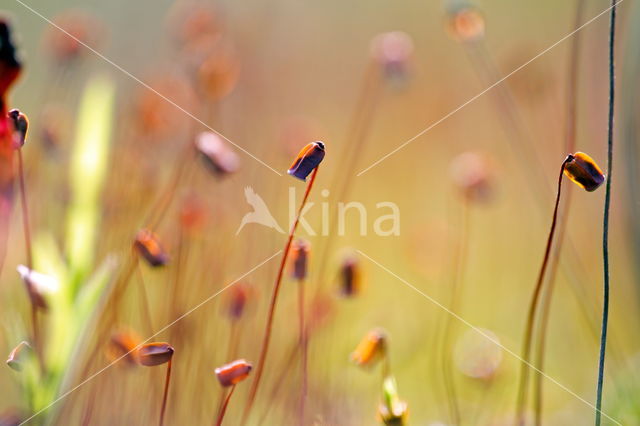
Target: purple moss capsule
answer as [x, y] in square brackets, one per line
[583, 171]
[300, 257]
[149, 247]
[153, 354]
[20, 124]
[307, 160]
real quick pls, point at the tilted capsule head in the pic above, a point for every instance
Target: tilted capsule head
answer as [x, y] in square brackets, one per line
[371, 348]
[148, 246]
[583, 171]
[123, 344]
[153, 354]
[20, 124]
[392, 51]
[233, 373]
[307, 160]
[350, 276]
[18, 355]
[216, 154]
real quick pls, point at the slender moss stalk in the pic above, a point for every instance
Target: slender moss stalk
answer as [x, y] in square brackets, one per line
[533, 305]
[449, 332]
[274, 298]
[570, 146]
[163, 408]
[223, 408]
[605, 224]
[303, 349]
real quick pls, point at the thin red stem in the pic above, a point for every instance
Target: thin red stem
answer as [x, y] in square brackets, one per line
[166, 393]
[223, 409]
[533, 305]
[274, 298]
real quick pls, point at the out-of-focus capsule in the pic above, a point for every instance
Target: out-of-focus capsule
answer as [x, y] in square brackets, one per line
[153, 354]
[10, 67]
[466, 24]
[38, 285]
[18, 355]
[299, 259]
[470, 172]
[218, 74]
[80, 26]
[238, 296]
[233, 373]
[370, 349]
[215, 153]
[11, 417]
[392, 51]
[124, 344]
[350, 276]
[193, 214]
[392, 410]
[478, 356]
[583, 171]
[307, 160]
[148, 245]
[20, 124]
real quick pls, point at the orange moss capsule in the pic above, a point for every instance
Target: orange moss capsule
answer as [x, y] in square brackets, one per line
[18, 355]
[20, 124]
[299, 259]
[307, 160]
[148, 245]
[216, 154]
[124, 343]
[218, 74]
[233, 373]
[153, 354]
[370, 349]
[350, 276]
[583, 171]
[466, 24]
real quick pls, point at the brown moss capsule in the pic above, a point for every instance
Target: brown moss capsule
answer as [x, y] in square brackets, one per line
[215, 153]
[148, 245]
[233, 373]
[18, 355]
[370, 349]
[124, 344]
[20, 124]
[583, 171]
[153, 354]
[307, 160]
[350, 276]
[466, 24]
[299, 259]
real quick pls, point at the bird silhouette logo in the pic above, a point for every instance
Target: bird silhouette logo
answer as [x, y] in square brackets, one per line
[260, 213]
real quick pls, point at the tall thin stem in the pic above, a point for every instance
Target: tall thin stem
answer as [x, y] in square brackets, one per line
[274, 298]
[303, 349]
[223, 409]
[605, 224]
[448, 330]
[166, 393]
[526, 344]
[570, 144]
[25, 211]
